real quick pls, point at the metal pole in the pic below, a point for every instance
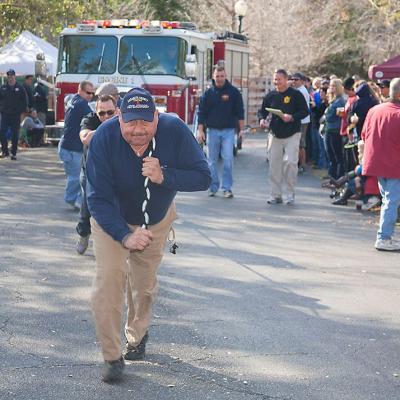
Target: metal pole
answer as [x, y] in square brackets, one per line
[240, 23]
[187, 93]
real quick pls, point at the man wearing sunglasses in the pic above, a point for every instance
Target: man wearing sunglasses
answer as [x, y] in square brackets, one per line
[70, 147]
[105, 109]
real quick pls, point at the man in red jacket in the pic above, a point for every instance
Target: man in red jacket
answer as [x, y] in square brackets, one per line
[381, 133]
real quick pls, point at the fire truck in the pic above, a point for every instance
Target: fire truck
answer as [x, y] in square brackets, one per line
[171, 59]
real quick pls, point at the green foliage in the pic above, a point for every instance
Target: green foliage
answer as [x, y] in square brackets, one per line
[46, 18]
[169, 10]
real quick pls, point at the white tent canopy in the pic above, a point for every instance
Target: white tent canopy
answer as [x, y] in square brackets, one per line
[20, 55]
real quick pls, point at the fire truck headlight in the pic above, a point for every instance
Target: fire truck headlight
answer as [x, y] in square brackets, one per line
[161, 109]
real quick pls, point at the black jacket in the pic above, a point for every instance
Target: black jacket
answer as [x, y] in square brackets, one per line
[40, 97]
[292, 102]
[29, 95]
[13, 99]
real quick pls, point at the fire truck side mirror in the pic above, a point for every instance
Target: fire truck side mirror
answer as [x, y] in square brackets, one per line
[191, 66]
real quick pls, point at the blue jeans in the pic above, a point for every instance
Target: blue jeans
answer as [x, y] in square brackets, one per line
[390, 191]
[221, 141]
[83, 227]
[72, 167]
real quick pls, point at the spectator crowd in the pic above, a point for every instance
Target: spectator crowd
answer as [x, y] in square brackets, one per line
[343, 135]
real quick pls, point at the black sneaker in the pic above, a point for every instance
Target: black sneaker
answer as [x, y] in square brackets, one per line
[275, 200]
[135, 353]
[4, 155]
[14, 158]
[113, 370]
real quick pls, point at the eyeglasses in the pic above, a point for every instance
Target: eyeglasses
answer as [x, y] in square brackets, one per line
[108, 112]
[89, 93]
[295, 79]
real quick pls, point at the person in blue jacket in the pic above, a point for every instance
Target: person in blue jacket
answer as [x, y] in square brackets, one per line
[136, 164]
[221, 111]
[70, 148]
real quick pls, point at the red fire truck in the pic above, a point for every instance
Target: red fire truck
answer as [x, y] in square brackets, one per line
[172, 60]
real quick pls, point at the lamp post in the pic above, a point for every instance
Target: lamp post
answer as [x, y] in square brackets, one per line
[240, 11]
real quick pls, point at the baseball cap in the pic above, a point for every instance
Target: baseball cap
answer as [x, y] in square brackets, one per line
[137, 104]
[384, 83]
[10, 72]
[298, 75]
[348, 83]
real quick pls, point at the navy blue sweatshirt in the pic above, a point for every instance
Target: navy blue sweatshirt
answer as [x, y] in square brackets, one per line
[221, 108]
[78, 107]
[292, 102]
[116, 184]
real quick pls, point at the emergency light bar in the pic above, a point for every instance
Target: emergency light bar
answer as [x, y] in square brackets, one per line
[148, 26]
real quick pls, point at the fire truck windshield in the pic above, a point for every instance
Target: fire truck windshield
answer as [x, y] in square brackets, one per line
[152, 55]
[87, 54]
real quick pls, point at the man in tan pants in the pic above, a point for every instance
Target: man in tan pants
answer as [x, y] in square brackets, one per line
[283, 155]
[288, 107]
[136, 164]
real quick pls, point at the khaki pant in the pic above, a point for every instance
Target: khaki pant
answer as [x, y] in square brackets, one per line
[283, 156]
[118, 269]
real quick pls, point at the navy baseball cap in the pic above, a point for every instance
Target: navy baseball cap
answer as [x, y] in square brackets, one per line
[137, 104]
[385, 83]
[10, 72]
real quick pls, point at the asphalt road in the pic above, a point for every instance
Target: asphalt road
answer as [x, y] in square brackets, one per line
[261, 302]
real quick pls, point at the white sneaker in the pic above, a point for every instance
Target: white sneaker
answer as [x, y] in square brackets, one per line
[372, 202]
[290, 199]
[387, 245]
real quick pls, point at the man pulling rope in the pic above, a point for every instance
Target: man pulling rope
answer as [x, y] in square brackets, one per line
[129, 233]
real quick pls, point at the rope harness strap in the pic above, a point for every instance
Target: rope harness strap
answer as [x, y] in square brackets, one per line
[172, 244]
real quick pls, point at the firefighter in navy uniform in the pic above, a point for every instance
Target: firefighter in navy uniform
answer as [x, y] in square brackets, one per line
[13, 102]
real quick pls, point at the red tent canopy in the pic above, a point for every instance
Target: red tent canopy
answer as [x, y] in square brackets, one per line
[387, 70]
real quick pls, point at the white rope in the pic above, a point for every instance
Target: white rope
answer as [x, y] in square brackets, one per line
[146, 217]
